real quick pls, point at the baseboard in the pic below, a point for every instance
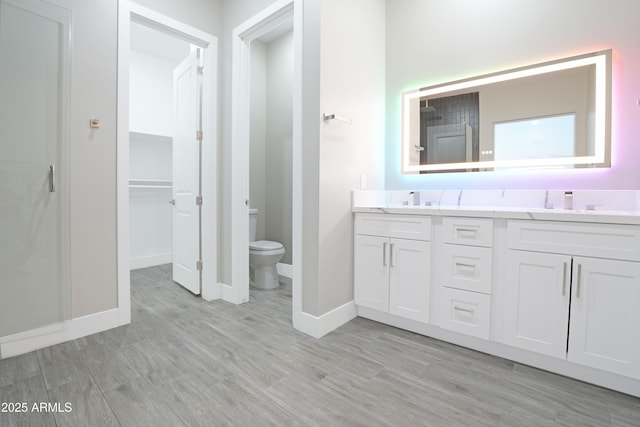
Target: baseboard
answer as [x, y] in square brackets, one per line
[318, 326]
[150, 260]
[24, 342]
[229, 294]
[285, 270]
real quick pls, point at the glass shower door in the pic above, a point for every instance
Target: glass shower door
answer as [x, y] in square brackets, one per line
[34, 188]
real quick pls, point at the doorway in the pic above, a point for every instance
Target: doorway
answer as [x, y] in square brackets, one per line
[167, 141]
[270, 139]
[279, 15]
[164, 153]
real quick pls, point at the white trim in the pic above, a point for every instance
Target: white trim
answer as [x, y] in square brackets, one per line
[318, 326]
[122, 165]
[229, 294]
[127, 10]
[243, 34]
[285, 270]
[24, 342]
[548, 363]
[296, 172]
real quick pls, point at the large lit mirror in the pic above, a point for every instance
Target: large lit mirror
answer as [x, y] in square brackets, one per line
[550, 115]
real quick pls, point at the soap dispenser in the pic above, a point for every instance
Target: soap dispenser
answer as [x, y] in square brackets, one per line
[568, 200]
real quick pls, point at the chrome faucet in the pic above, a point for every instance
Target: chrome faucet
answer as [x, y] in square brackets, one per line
[459, 197]
[547, 205]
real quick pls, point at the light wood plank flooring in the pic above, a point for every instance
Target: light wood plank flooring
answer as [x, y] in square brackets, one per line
[184, 361]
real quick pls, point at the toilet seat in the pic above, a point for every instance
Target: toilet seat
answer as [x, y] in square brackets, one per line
[265, 245]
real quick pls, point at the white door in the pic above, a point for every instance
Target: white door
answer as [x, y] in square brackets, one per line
[371, 272]
[186, 174]
[536, 311]
[605, 315]
[34, 189]
[410, 266]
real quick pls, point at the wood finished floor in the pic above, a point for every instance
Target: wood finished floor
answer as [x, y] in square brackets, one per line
[184, 361]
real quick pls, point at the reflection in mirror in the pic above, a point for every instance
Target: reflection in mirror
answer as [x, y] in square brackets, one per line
[538, 138]
[555, 114]
[449, 129]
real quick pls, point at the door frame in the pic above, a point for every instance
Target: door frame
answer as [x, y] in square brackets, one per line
[128, 11]
[253, 28]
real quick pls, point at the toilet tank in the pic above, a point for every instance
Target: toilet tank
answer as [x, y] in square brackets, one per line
[253, 224]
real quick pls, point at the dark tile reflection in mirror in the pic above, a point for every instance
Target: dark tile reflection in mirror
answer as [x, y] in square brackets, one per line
[445, 125]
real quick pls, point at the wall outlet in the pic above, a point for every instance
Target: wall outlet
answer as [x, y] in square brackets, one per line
[363, 181]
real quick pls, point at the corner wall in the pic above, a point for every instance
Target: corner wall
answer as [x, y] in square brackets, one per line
[434, 41]
[351, 61]
[93, 156]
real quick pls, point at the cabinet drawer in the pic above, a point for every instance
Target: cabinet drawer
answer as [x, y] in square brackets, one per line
[586, 239]
[467, 268]
[466, 312]
[413, 227]
[468, 231]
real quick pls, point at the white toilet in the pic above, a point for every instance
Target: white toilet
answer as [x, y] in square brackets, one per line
[263, 257]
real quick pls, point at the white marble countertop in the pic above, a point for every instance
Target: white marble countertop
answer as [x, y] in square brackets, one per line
[595, 216]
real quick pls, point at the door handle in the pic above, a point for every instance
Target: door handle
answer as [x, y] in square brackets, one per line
[172, 202]
[52, 178]
[384, 254]
[579, 280]
[391, 256]
[564, 279]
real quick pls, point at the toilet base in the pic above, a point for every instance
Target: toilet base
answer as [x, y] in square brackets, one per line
[264, 277]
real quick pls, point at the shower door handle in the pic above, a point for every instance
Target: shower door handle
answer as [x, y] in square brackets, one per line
[52, 179]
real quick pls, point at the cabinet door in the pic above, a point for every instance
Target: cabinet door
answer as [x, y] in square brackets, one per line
[605, 315]
[371, 271]
[410, 262]
[537, 302]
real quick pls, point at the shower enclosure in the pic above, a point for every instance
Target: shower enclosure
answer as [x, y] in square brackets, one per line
[35, 287]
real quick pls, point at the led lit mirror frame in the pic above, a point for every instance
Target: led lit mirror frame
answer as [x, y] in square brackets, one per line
[600, 122]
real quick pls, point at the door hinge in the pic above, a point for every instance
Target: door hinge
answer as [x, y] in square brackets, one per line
[200, 69]
[198, 200]
[199, 135]
[199, 265]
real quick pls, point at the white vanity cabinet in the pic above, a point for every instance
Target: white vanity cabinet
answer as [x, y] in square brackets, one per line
[573, 292]
[536, 308]
[392, 264]
[466, 258]
[559, 290]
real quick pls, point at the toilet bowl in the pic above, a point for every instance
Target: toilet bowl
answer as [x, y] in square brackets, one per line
[263, 257]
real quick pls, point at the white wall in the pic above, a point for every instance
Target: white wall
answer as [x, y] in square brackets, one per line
[93, 155]
[434, 41]
[271, 139]
[258, 137]
[151, 94]
[351, 77]
[151, 114]
[279, 135]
